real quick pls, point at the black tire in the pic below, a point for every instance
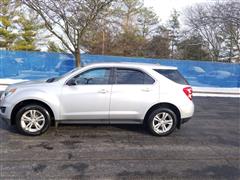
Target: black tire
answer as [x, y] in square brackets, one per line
[39, 108]
[156, 112]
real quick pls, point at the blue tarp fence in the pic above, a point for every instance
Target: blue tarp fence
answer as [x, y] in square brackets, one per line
[41, 65]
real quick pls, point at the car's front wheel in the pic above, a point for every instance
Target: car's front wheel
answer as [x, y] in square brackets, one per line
[162, 122]
[33, 120]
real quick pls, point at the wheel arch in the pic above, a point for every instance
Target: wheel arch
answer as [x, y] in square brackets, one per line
[23, 103]
[165, 105]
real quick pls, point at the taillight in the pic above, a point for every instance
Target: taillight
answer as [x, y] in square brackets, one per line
[188, 92]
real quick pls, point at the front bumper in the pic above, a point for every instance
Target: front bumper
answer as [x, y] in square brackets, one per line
[4, 114]
[7, 121]
[5, 110]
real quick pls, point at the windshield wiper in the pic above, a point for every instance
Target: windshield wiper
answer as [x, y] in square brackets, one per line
[51, 80]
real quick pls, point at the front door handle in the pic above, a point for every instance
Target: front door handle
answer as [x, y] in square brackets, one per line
[103, 91]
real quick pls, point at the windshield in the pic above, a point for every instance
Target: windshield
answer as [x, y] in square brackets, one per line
[54, 79]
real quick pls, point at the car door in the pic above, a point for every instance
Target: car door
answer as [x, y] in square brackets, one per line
[133, 93]
[88, 98]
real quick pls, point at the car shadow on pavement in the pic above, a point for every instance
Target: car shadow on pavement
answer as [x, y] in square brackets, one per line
[130, 128]
[4, 126]
[71, 128]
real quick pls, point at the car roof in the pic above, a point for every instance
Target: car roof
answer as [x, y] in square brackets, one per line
[132, 65]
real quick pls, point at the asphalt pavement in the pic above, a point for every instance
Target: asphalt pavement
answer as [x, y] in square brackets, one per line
[207, 147]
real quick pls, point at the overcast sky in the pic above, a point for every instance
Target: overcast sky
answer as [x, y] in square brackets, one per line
[165, 7]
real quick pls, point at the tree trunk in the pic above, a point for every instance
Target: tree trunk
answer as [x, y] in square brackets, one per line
[77, 57]
[103, 42]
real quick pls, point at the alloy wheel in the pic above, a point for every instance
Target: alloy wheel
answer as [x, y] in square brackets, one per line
[32, 121]
[162, 122]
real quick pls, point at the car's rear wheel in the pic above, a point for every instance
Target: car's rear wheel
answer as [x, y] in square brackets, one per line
[33, 120]
[162, 122]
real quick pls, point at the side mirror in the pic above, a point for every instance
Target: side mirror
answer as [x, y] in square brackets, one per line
[72, 82]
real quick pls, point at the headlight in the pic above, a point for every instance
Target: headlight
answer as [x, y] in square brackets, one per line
[2, 97]
[9, 92]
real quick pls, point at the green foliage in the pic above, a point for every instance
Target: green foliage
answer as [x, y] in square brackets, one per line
[27, 34]
[192, 48]
[7, 24]
[131, 43]
[147, 21]
[17, 30]
[158, 46]
[124, 28]
[53, 47]
[128, 11]
[128, 31]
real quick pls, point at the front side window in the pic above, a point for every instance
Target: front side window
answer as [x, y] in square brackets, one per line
[131, 76]
[94, 76]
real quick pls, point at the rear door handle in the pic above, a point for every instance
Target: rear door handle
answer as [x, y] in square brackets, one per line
[146, 89]
[103, 91]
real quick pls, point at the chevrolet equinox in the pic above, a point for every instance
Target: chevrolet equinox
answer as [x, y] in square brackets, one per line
[109, 93]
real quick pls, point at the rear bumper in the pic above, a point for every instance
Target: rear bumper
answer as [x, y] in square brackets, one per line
[186, 110]
[184, 120]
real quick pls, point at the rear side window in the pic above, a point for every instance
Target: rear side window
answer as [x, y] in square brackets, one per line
[131, 76]
[173, 75]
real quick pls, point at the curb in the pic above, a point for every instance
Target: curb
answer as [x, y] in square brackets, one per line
[216, 92]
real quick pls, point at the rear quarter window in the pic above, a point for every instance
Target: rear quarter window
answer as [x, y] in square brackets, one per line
[173, 75]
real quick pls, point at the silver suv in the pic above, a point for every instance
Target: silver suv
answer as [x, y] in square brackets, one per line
[109, 93]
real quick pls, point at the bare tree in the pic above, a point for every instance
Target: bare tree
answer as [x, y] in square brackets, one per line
[69, 20]
[197, 19]
[227, 11]
[218, 24]
[227, 17]
[174, 30]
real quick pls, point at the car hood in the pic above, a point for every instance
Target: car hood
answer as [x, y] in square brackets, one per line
[27, 83]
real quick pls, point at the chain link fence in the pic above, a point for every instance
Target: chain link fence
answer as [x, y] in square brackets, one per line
[40, 65]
